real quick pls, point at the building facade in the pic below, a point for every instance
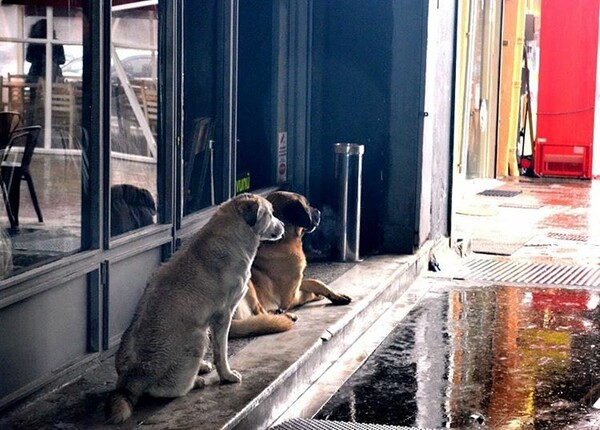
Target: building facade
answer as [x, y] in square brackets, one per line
[154, 112]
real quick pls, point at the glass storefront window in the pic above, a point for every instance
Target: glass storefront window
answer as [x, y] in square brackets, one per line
[258, 157]
[41, 139]
[203, 149]
[233, 107]
[261, 158]
[134, 115]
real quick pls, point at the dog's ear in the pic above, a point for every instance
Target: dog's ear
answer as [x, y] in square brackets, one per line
[297, 213]
[248, 209]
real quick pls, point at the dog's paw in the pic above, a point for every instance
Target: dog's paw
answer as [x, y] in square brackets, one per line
[340, 299]
[211, 378]
[205, 367]
[291, 316]
[199, 382]
[234, 377]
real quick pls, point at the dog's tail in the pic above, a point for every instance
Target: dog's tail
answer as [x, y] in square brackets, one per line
[260, 324]
[119, 405]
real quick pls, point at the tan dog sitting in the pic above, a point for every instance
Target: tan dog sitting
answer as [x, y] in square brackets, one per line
[277, 282]
[162, 351]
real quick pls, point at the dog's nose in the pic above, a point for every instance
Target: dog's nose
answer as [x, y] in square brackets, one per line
[278, 232]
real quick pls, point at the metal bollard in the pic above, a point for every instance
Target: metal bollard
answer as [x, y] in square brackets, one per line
[348, 176]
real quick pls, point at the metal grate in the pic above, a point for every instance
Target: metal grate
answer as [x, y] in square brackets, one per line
[529, 273]
[569, 236]
[306, 424]
[499, 193]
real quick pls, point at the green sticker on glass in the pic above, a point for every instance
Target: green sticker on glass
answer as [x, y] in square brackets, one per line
[242, 184]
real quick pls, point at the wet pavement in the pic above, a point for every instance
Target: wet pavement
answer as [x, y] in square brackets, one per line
[490, 356]
[548, 221]
[477, 353]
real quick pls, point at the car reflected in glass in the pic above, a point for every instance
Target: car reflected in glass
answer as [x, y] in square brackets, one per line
[135, 66]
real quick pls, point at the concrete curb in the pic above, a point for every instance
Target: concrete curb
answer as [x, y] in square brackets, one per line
[282, 392]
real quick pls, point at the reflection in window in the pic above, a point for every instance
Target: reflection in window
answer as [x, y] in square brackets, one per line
[202, 150]
[41, 139]
[262, 153]
[134, 115]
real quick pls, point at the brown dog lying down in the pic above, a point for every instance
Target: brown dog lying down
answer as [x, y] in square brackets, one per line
[277, 283]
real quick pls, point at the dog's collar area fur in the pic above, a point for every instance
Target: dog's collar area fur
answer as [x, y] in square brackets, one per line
[286, 237]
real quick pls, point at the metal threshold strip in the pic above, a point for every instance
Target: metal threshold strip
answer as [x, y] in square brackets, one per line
[496, 270]
[310, 424]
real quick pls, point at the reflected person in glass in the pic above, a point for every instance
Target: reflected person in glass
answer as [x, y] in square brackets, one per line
[36, 54]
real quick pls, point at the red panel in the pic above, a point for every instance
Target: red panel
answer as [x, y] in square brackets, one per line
[560, 300]
[567, 87]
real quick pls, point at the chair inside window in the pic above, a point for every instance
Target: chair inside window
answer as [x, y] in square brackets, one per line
[66, 108]
[9, 121]
[17, 95]
[150, 106]
[15, 171]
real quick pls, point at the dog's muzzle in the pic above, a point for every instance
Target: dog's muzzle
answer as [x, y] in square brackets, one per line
[276, 231]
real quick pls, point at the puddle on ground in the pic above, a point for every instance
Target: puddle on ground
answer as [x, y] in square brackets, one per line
[493, 357]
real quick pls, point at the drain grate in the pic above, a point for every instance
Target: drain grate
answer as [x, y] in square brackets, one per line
[569, 236]
[499, 193]
[308, 424]
[529, 273]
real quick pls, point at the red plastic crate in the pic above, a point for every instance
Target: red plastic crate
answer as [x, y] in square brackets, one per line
[563, 160]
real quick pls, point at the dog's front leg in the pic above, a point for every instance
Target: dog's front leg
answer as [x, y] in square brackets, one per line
[252, 299]
[220, 331]
[312, 289]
